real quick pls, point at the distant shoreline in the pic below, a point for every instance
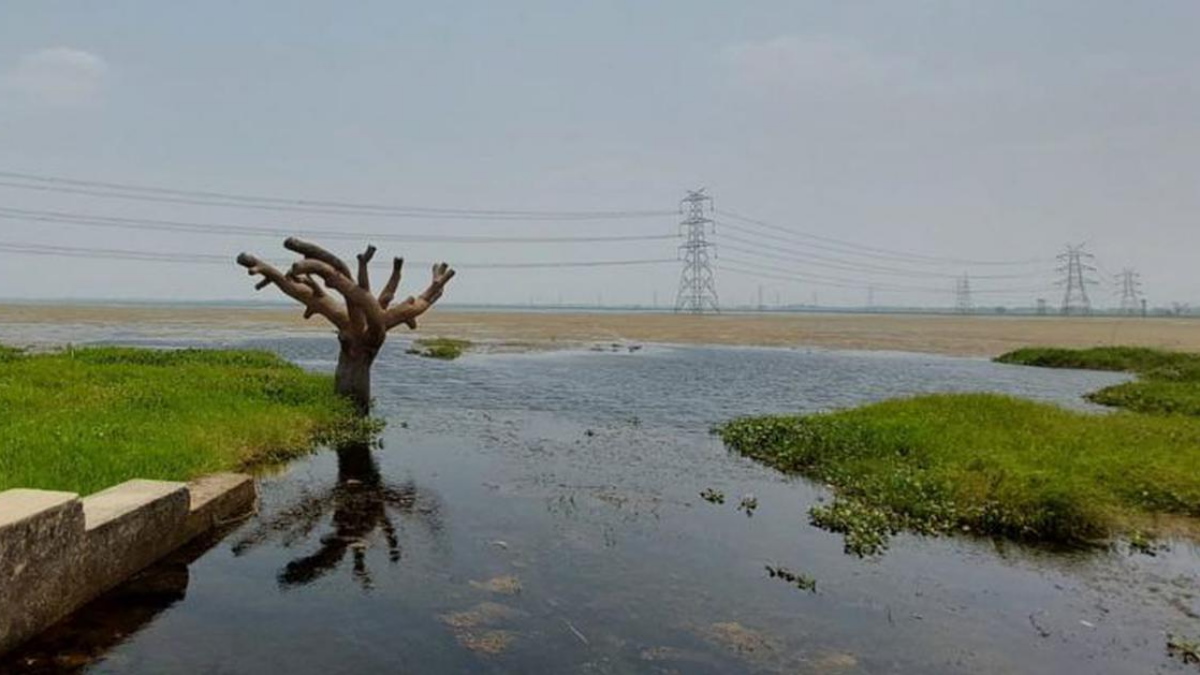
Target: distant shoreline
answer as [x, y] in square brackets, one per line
[792, 310]
[981, 336]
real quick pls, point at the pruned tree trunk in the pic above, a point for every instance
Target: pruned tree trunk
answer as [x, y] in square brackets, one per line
[353, 376]
[362, 319]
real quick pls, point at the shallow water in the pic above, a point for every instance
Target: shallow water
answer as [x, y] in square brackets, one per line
[540, 513]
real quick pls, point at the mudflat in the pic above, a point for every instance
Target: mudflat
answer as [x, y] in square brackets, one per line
[941, 334]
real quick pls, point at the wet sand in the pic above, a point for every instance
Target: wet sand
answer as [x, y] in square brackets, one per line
[954, 335]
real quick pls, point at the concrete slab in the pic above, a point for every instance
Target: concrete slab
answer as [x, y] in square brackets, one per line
[219, 499]
[121, 500]
[41, 541]
[210, 488]
[57, 552]
[19, 505]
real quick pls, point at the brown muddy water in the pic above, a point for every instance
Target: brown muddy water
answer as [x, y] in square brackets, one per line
[541, 513]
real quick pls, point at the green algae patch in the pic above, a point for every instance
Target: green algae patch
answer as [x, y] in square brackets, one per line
[443, 348]
[82, 420]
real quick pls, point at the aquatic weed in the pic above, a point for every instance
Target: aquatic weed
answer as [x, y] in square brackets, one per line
[1187, 651]
[443, 348]
[801, 581]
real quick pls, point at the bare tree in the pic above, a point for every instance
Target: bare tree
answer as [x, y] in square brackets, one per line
[362, 319]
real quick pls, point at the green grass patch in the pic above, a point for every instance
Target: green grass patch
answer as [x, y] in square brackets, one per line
[1140, 360]
[1168, 382]
[85, 419]
[439, 348]
[998, 465]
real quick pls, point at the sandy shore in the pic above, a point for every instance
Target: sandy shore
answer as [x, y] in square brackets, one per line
[967, 336]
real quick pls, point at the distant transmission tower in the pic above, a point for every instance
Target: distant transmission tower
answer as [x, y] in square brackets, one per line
[1130, 283]
[1075, 264]
[697, 284]
[962, 295]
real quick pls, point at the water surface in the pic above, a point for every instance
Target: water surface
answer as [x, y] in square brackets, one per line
[540, 513]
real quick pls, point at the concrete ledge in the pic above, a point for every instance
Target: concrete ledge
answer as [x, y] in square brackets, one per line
[217, 499]
[130, 500]
[41, 535]
[128, 527]
[58, 552]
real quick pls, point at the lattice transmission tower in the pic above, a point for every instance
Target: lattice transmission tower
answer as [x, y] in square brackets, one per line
[962, 295]
[697, 283]
[1076, 265]
[1130, 284]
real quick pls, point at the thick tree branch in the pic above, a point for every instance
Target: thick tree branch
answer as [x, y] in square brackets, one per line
[312, 283]
[364, 263]
[316, 289]
[389, 291]
[357, 299]
[314, 300]
[408, 311]
[357, 315]
[310, 250]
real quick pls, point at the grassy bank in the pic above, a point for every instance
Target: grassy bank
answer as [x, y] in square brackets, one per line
[1000, 465]
[85, 419]
[1168, 382]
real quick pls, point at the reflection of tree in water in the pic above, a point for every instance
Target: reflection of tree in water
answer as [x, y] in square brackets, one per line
[363, 507]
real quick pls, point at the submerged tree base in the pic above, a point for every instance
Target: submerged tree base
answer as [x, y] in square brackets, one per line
[84, 419]
[998, 465]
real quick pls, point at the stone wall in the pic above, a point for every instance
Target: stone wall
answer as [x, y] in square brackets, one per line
[58, 552]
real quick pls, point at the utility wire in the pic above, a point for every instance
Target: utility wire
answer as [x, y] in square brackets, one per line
[794, 255]
[927, 259]
[136, 192]
[156, 225]
[757, 269]
[748, 267]
[840, 250]
[750, 272]
[215, 259]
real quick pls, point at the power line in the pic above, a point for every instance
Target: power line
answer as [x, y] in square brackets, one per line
[157, 225]
[813, 276]
[850, 266]
[697, 282]
[852, 246]
[749, 267]
[754, 270]
[148, 193]
[581, 263]
[217, 259]
[894, 259]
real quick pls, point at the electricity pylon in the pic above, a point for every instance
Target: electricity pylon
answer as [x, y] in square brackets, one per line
[1130, 283]
[962, 295]
[1076, 265]
[697, 283]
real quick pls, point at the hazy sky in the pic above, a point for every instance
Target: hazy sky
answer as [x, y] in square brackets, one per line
[976, 130]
